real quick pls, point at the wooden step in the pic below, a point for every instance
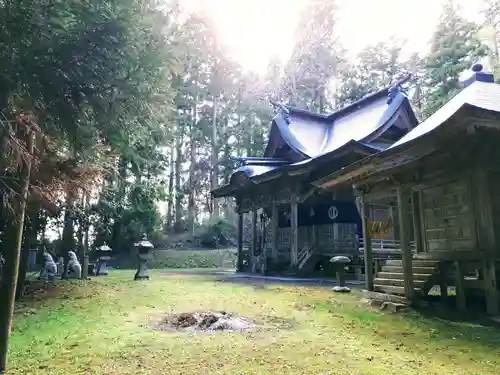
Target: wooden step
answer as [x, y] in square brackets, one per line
[414, 263]
[397, 275]
[391, 289]
[419, 270]
[394, 262]
[424, 263]
[398, 282]
[393, 269]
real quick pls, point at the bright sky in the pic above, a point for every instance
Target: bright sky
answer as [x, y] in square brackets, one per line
[257, 30]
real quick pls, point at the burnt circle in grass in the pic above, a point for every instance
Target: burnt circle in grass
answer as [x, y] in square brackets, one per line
[206, 321]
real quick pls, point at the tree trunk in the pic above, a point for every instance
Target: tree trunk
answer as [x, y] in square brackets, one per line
[68, 235]
[86, 228]
[215, 159]
[170, 197]
[192, 168]
[178, 189]
[227, 171]
[30, 234]
[322, 100]
[11, 268]
[79, 236]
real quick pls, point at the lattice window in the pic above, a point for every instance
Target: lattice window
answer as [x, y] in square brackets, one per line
[283, 238]
[341, 237]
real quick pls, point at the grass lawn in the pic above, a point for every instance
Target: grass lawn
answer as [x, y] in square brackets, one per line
[103, 327]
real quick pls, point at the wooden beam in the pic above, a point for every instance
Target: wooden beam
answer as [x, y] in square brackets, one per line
[459, 286]
[254, 237]
[417, 227]
[367, 245]
[239, 254]
[403, 196]
[274, 230]
[294, 231]
[307, 194]
[379, 195]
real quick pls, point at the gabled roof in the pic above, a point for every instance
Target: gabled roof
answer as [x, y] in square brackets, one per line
[310, 135]
[480, 94]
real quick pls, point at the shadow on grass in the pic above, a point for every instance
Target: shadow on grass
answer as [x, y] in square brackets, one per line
[243, 280]
[433, 326]
[445, 321]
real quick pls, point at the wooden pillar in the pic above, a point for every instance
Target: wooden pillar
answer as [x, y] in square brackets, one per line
[417, 227]
[403, 197]
[443, 286]
[490, 286]
[486, 235]
[239, 255]
[254, 238]
[367, 245]
[459, 286]
[390, 213]
[294, 231]
[274, 230]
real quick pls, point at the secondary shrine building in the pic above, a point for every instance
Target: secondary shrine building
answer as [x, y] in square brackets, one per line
[442, 179]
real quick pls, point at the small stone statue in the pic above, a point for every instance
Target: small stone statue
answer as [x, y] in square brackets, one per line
[49, 270]
[74, 266]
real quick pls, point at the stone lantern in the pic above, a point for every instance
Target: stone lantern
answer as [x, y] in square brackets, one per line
[340, 263]
[103, 256]
[144, 248]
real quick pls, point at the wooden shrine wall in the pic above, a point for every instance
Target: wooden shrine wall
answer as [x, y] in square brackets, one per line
[448, 218]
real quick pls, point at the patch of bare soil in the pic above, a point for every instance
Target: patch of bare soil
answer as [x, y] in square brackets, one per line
[206, 322]
[40, 289]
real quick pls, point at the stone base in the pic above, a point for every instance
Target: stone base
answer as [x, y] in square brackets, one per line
[101, 268]
[341, 289]
[392, 307]
[142, 271]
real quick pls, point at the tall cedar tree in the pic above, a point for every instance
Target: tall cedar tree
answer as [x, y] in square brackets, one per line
[454, 48]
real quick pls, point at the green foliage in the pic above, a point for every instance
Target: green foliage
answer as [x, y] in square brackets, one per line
[315, 57]
[185, 259]
[217, 231]
[455, 47]
[121, 219]
[375, 67]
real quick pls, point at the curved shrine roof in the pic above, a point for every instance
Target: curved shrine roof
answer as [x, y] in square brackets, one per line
[303, 137]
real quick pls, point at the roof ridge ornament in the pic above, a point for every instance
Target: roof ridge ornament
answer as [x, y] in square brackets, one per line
[477, 75]
[281, 110]
[397, 87]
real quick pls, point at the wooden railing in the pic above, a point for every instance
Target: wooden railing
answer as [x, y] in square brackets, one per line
[383, 246]
[304, 254]
[341, 246]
